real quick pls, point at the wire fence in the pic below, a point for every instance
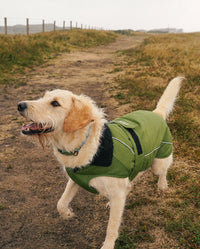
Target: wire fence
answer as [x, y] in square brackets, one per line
[29, 26]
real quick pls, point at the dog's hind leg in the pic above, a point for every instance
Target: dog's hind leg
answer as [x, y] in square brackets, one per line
[63, 204]
[159, 168]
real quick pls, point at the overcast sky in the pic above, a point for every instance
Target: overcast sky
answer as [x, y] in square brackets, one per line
[109, 14]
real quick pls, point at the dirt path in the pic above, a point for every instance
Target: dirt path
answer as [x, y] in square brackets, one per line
[31, 181]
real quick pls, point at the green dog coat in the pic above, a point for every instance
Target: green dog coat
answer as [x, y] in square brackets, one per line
[128, 146]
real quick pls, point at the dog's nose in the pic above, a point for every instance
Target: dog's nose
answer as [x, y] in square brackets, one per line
[22, 106]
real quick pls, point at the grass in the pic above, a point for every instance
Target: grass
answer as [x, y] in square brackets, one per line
[145, 72]
[172, 217]
[129, 240]
[20, 53]
[128, 32]
[3, 206]
[183, 221]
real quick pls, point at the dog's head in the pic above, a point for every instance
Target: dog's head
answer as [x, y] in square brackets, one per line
[57, 111]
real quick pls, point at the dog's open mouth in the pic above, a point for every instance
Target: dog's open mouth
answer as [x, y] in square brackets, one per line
[35, 128]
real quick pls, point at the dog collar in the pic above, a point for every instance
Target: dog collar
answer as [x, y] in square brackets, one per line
[76, 151]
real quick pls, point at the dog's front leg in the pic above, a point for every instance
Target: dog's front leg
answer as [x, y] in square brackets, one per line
[117, 203]
[63, 204]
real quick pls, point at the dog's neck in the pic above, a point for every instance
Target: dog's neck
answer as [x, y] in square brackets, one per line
[76, 151]
[89, 135]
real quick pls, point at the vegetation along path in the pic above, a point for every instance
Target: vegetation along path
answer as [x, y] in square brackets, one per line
[31, 178]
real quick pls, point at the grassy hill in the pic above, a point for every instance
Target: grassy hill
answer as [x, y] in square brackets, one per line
[144, 73]
[20, 52]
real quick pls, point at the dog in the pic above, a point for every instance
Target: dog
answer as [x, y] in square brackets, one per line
[102, 157]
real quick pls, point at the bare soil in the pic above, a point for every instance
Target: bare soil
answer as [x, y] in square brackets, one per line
[31, 181]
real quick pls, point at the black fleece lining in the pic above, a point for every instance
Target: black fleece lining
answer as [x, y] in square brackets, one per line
[104, 154]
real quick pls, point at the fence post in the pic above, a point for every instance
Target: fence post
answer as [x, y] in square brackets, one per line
[43, 26]
[54, 26]
[5, 26]
[70, 24]
[27, 26]
[81, 26]
[76, 25]
[63, 25]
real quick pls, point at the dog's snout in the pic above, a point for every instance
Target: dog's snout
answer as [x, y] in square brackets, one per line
[22, 106]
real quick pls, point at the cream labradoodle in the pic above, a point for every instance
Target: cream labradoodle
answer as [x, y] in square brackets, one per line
[102, 157]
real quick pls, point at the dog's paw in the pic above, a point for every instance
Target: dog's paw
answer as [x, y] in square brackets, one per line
[162, 185]
[65, 213]
[108, 245]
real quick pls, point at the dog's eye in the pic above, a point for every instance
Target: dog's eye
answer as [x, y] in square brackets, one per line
[55, 103]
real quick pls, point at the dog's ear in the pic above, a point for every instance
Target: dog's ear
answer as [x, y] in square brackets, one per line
[79, 116]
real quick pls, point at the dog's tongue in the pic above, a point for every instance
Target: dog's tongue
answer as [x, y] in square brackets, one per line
[32, 126]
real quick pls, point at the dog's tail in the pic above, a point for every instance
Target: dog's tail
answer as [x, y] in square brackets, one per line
[166, 102]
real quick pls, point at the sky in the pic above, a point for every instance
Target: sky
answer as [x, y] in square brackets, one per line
[107, 14]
